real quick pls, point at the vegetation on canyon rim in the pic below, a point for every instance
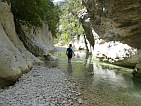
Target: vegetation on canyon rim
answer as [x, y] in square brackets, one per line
[35, 12]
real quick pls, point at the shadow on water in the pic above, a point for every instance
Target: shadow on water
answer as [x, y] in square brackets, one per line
[101, 83]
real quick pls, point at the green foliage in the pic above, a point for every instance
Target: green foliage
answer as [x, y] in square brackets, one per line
[69, 21]
[8, 1]
[35, 12]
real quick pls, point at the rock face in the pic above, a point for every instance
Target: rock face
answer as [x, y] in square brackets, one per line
[85, 20]
[116, 20]
[14, 57]
[37, 40]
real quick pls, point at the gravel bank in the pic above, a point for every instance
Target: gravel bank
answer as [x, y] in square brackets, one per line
[42, 86]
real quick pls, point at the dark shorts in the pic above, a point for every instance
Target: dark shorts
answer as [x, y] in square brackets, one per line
[69, 55]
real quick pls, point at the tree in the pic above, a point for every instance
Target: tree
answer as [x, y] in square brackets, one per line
[69, 21]
[35, 12]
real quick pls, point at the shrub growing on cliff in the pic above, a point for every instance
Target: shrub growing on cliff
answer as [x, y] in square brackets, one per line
[35, 12]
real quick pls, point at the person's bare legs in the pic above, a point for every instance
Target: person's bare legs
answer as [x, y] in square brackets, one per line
[69, 60]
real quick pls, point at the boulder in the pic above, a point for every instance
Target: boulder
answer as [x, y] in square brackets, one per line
[51, 57]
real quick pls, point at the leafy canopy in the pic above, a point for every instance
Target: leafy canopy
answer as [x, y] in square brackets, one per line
[69, 25]
[35, 12]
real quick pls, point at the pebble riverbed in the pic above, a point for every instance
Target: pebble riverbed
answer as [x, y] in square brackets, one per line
[42, 86]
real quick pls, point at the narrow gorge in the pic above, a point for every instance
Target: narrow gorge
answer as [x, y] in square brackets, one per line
[35, 67]
[111, 27]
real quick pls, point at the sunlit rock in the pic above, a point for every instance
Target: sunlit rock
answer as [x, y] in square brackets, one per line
[116, 53]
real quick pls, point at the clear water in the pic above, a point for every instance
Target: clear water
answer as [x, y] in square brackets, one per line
[101, 84]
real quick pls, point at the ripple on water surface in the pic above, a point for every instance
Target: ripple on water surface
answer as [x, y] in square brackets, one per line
[100, 83]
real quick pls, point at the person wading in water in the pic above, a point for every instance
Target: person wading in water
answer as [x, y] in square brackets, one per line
[69, 52]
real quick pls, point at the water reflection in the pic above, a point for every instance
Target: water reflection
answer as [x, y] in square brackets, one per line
[69, 68]
[107, 82]
[111, 77]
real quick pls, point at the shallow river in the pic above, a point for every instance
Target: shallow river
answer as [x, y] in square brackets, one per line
[100, 83]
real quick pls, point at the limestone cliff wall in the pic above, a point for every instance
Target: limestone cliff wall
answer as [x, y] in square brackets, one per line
[38, 41]
[15, 59]
[117, 20]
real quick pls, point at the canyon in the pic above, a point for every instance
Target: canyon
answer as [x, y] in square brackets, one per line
[112, 28]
